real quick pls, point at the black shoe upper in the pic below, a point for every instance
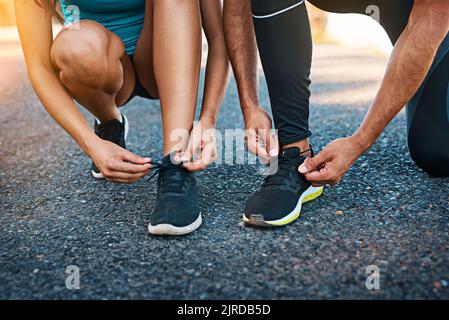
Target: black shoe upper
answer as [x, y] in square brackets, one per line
[280, 192]
[113, 131]
[177, 196]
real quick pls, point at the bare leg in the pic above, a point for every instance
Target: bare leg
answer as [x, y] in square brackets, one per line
[177, 57]
[92, 65]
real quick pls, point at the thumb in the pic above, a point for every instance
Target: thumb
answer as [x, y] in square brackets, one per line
[312, 164]
[187, 155]
[251, 140]
[194, 144]
[134, 158]
[273, 147]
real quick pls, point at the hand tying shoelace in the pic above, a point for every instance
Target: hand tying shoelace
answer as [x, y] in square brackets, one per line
[172, 176]
[156, 167]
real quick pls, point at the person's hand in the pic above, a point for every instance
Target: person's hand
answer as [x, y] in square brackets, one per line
[118, 164]
[330, 165]
[202, 149]
[259, 139]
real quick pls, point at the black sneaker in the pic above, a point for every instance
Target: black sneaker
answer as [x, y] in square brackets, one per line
[177, 211]
[279, 200]
[114, 131]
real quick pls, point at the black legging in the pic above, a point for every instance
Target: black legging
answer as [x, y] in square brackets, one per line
[285, 47]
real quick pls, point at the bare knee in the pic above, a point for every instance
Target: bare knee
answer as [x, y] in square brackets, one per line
[177, 3]
[84, 55]
[174, 2]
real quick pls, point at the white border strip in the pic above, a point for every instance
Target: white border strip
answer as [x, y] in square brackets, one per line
[279, 12]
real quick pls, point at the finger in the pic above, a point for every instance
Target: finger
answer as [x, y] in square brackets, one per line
[208, 156]
[312, 164]
[263, 145]
[195, 143]
[134, 158]
[195, 166]
[185, 155]
[257, 146]
[209, 151]
[179, 157]
[190, 152]
[119, 181]
[268, 140]
[131, 167]
[318, 185]
[123, 176]
[251, 141]
[119, 176]
[124, 181]
[274, 146]
[323, 175]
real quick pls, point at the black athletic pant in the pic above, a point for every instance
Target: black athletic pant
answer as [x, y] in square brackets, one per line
[285, 47]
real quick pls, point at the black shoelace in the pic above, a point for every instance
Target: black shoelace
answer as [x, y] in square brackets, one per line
[282, 174]
[172, 177]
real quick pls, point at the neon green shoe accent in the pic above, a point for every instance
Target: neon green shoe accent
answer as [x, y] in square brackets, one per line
[308, 198]
[313, 196]
[284, 223]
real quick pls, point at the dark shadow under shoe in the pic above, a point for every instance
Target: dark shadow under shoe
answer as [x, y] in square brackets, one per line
[113, 131]
[279, 200]
[177, 211]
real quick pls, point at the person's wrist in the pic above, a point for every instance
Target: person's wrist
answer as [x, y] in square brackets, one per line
[208, 119]
[250, 106]
[250, 110]
[361, 142]
[88, 143]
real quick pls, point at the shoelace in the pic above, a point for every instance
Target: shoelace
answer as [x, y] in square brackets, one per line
[279, 177]
[156, 168]
[170, 183]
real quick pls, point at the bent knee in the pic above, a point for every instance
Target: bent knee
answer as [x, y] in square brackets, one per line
[433, 159]
[84, 53]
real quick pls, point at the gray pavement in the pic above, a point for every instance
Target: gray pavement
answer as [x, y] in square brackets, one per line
[386, 212]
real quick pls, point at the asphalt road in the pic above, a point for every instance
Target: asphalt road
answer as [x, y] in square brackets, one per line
[53, 214]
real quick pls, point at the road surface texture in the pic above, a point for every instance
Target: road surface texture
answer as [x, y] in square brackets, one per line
[53, 214]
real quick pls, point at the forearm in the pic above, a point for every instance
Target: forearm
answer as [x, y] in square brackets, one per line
[409, 64]
[242, 50]
[217, 79]
[35, 29]
[60, 106]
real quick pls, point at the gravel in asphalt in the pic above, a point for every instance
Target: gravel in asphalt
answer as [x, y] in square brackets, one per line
[386, 212]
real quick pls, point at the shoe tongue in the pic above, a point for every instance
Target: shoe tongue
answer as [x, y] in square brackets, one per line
[172, 174]
[167, 160]
[292, 152]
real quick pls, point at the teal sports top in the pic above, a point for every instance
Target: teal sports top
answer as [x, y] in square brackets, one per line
[123, 17]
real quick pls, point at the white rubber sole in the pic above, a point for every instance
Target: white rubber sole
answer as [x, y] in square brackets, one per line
[170, 230]
[310, 194]
[99, 175]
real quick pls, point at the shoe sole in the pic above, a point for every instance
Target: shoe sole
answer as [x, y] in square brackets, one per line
[99, 175]
[170, 230]
[310, 194]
